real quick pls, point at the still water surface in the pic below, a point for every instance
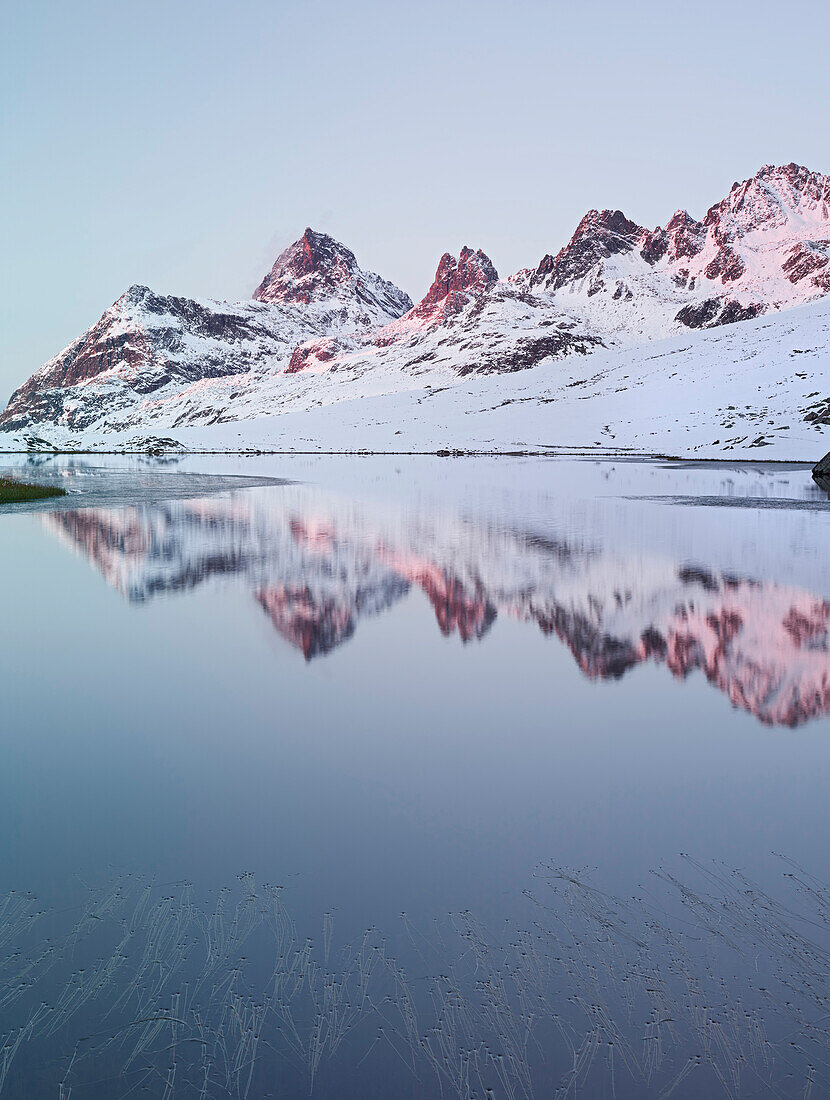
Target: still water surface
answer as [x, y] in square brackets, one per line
[554, 732]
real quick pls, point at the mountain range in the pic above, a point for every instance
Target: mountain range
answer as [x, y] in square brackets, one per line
[321, 333]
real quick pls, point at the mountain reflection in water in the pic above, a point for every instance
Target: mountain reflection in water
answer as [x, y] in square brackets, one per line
[317, 564]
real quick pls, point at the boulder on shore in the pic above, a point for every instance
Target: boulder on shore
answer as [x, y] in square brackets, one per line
[821, 472]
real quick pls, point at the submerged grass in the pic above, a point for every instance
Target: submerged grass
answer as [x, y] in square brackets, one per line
[13, 491]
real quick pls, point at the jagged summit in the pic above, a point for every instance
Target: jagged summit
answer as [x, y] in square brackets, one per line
[600, 234]
[684, 235]
[456, 281]
[318, 270]
[774, 196]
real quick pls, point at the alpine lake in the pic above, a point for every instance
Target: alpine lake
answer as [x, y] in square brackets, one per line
[414, 777]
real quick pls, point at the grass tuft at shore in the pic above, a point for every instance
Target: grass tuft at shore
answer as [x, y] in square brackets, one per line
[13, 491]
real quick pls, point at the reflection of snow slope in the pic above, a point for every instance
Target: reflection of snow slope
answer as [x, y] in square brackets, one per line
[317, 565]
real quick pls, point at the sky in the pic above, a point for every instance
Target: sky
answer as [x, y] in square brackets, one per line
[183, 144]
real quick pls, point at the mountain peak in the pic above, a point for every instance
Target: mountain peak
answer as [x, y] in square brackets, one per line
[314, 263]
[682, 237]
[772, 198]
[457, 280]
[154, 358]
[796, 173]
[600, 234]
[606, 224]
[770, 233]
[319, 270]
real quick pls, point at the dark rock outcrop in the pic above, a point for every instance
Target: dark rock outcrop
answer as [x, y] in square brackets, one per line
[821, 473]
[528, 352]
[713, 312]
[685, 236]
[142, 342]
[809, 259]
[311, 353]
[726, 266]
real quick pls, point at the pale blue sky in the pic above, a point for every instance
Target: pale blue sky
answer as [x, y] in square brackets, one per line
[182, 144]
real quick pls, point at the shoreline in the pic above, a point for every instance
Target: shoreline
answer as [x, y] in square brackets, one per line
[590, 453]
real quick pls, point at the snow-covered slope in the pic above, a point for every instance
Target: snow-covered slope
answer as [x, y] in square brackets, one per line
[147, 345]
[760, 389]
[320, 334]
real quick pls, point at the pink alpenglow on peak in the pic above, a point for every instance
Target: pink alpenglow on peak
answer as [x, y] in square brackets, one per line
[458, 280]
[765, 246]
[774, 197]
[600, 234]
[318, 270]
[315, 263]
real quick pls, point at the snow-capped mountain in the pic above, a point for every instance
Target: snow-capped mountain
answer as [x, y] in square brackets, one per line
[320, 331]
[766, 246]
[148, 348]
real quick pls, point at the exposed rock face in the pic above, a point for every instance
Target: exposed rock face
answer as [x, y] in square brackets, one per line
[809, 260]
[477, 324]
[777, 203]
[600, 234]
[716, 311]
[726, 266]
[144, 343]
[764, 246]
[769, 199]
[311, 354]
[821, 472]
[527, 351]
[685, 236]
[317, 268]
[314, 265]
[456, 282]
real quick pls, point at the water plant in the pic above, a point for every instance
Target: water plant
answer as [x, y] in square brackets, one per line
[701, 983]
[13, 491]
